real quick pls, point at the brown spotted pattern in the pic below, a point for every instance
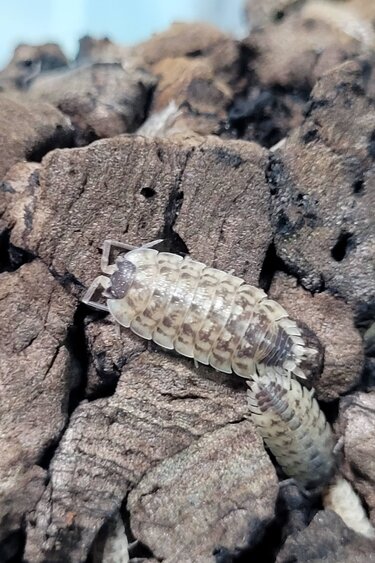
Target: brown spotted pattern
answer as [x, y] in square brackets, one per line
[294, 428]
[206, 314]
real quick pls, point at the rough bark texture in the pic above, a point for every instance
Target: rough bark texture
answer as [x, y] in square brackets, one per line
[109, 355]
[357, 425]
[293, 44]
[18, 189]
[189, 81]
[323, 189]
[201, 499]
[28, 61]
[193, 40]
[102, 100]
[143, 185]
[150, 189]
[93, 50]
[359, 12]
[37, 374]
[332, 321]
[106, 438]
[327, 539]
[29, 130]
[280, 62]
[161, 406]
[262, 12]
[199, 98]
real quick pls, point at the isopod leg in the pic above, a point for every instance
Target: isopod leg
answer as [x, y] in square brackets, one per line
[152, 243]
[102, 281]
[108, 244]
[132, 546]
[338, 446]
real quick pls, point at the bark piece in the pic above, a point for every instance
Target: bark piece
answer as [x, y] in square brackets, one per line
[263, 12]
[189, 81]
[18, 189]
[109, 353]
[218, 493]
[266, 115]
[189, 86]
[135, 190]
[364, 320]
[285, 60]
[229, 228]
[37, 373]
[357, 425]
[193, 40]
[28, 130]
[322, 188]
[161, 406]
[287, 53]
[102, 100]
[48, 55]
[103, 50]
[331, 319]
[355, 16]
[327, 539]
[28, 61]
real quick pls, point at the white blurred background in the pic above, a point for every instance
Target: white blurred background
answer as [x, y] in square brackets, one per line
[125, 21]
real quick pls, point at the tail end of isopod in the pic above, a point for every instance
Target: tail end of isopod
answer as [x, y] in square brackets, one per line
[298, 372]
[310, 352]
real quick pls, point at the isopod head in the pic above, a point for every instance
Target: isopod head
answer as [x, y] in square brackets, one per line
[121, 280]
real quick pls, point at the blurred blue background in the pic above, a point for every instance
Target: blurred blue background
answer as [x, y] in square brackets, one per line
[125, 21]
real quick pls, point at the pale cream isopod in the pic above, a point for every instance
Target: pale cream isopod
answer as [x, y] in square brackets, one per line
[201, 312]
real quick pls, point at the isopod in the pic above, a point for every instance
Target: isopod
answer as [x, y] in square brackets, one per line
[342, 499]
[294, 429]
[201, 312]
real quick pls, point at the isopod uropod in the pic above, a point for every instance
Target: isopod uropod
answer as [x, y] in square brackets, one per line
[201, 312]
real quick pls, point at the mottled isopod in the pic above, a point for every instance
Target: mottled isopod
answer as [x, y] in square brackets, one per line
[294, 428]
[202, 313]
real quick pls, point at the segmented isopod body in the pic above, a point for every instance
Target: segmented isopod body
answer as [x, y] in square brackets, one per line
[294, 428]
[202, 313]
